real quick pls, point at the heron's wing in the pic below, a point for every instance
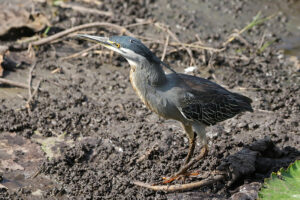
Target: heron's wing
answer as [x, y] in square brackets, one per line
[210, 103]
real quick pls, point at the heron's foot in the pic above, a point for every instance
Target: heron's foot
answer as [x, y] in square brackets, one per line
[185, 168]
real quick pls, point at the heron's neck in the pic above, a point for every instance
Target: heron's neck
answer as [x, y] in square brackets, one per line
[150, 73]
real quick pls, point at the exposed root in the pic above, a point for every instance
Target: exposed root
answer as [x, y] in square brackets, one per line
[182, 187]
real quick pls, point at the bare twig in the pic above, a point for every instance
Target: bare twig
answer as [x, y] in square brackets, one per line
[13, 83]
[144, 22]
[102, 52]
[30, 86]
[30, 79]
[204, 52]
[84, 9]
[193, 45]
[34, 93]
[183, 187]
[96, 2]
[147, 153]
[262, 40]
[196, 46]
[38, 172]
[241, 57]
[58, 69]
[189, 51]
[211, 60]
[243, 40]
[256, 21]
[83, 26]
[264, 111]
[80, 52]
[219, 82]
[165, 48]
[255, 89]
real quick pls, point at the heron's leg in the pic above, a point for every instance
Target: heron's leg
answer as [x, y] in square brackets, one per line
[183, 171]
[186, 167]
[192, 140]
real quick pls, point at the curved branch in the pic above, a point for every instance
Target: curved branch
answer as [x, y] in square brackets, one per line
[182, 187]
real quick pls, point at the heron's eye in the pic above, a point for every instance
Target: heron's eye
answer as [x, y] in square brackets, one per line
[117, 45]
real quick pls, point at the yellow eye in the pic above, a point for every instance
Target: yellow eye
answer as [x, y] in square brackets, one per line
[116, 44]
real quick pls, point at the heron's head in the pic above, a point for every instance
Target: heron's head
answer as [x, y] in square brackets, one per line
[132, 49]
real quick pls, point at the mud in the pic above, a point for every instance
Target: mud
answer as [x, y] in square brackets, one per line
[92, 137]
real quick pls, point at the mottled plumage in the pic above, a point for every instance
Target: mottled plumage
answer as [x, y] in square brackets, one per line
[209, 103]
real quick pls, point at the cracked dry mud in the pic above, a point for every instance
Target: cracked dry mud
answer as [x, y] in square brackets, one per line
[92, 137]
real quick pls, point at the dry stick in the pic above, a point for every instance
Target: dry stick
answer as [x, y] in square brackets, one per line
[139, 23]
[29, 87]
[163, 27]
[204, 56]
[147, 153]
[30, 79]
[182, 187]
[238, 36]
[77, 28]
[211, 60]
[80, 52]
[13, 83]
[193, 45]
[34, 92]
[255, 21]
[85, 10]
[165, 48]
[262, 40]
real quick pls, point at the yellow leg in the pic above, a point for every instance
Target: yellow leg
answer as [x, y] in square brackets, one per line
[184, 169]
[192, 140]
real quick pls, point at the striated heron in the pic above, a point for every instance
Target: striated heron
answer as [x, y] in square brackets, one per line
[195, 102]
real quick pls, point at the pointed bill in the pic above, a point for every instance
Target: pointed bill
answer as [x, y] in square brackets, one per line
[102, 40]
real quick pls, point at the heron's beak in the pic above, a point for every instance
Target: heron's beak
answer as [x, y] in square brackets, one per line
[102, 40]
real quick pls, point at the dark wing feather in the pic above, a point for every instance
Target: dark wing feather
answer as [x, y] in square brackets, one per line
[210, 103]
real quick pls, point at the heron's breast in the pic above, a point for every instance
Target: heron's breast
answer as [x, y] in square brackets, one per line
[136, 86]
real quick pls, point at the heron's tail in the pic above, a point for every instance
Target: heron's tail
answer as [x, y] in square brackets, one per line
[245, 102]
